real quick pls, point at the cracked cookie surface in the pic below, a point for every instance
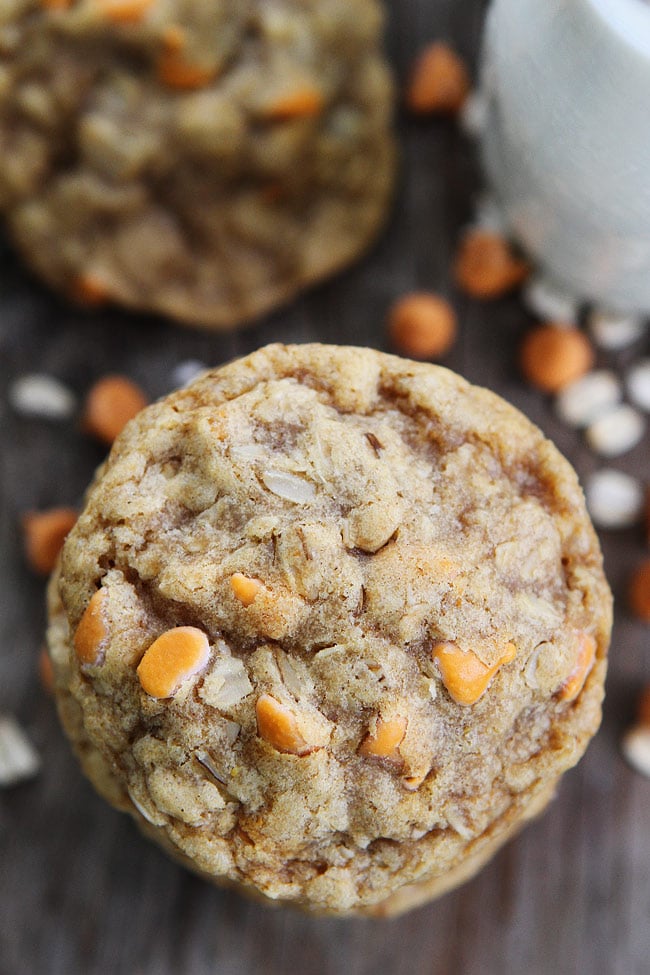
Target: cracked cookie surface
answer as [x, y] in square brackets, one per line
[207, 159]
[331, 626]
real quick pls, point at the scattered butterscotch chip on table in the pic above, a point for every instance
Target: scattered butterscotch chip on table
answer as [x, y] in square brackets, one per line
[109, 405]
[639, 591]
[486, 267]
[46, 671]
[331, 626]
[552, 357]
[439, 81]
[44, 533]
[422, 325]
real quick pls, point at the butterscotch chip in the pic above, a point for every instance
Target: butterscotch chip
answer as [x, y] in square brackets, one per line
[89, 289]
[439, 81]
[465, 676]
[639, 591]
[175, 656]
[384, 742]
[92, 632]
[331, 626]
[281, 727]
[551, 357]
[44, 535]
[46, 671]
[584, 661]
[124, 11]
[110, 404]
[422, 325]
[244, 589]
[643, 707]
[486, 267]
[300, 101]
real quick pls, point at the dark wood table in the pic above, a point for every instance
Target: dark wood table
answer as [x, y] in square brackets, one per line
[81, 893]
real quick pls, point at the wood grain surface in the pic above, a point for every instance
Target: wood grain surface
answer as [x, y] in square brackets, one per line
[81, 893]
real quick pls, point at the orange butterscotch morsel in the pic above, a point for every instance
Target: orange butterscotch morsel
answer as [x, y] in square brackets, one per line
[485, 266]
[422, 325]
[46, 671]
[639, 591]
[413, 782]
[384, 742]
[439, 81]
[552, 357]
[44, 535]
[124, 11]
[110, 404]
[584, 662]
[278, 725]
[56, 4]
[175, 656]
[91, 634]
[174, 37]
[465, 676]
[175, 69]
[306, 101]
[244, 588]
[643, 707]
[89, 289]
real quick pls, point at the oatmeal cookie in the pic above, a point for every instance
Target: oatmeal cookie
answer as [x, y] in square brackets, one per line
[331, 626]
[206, 159]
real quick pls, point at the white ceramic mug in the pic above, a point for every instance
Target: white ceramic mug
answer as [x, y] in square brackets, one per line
[566, 143]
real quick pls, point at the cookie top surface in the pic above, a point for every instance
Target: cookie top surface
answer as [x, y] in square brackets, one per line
[344, 610]
[241, 150]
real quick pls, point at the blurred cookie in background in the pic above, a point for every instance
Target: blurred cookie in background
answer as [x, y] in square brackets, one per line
[203, 160]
